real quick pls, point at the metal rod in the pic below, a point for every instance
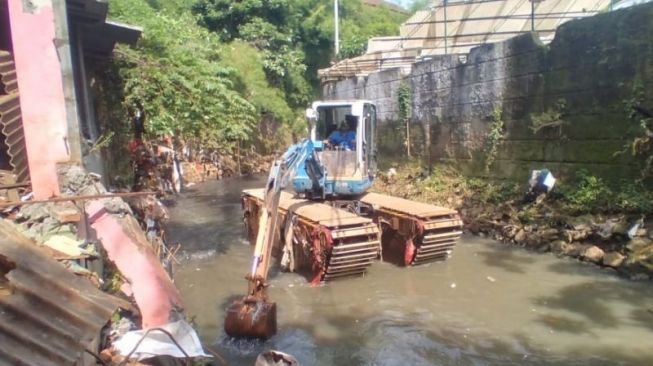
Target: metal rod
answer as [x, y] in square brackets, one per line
[446, 36]
[78, 198]
[337, 27]
[532, 16]
[556, 15]
[466, 2]
[16, 185]
[460, 35]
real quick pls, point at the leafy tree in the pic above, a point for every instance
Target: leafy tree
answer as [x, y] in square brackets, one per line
[419, 5]
[218, 69]
[250, 80]
[296, 37]
[174, 73]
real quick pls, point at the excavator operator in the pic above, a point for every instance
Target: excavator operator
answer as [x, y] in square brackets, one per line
[345, 136]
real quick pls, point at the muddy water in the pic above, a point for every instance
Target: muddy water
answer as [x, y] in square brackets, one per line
[489, 305]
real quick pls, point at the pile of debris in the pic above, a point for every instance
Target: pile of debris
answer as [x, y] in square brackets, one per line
[120, 260]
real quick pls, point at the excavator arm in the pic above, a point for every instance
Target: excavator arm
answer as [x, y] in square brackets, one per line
[282, 171]
[253, 315]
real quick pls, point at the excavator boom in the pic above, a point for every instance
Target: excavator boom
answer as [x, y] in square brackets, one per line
[254, 315]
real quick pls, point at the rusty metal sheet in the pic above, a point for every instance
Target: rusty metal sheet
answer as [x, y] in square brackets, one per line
[413, 208]
[48, 316]
[313, 211]
[8, 82]
[11, 122]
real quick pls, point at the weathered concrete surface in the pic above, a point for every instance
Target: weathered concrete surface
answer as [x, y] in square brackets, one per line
[578, 84]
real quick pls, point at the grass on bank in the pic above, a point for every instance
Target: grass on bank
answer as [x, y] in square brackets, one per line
[581, 194]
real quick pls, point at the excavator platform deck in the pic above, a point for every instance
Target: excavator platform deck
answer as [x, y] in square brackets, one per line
[342, 238]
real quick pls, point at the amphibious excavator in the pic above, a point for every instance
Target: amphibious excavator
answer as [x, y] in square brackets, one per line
[331, 227]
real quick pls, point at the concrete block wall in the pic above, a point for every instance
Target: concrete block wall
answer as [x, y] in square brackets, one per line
[583, 77]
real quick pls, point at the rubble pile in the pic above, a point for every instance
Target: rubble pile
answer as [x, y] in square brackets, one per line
[619, 241]
[121, 250]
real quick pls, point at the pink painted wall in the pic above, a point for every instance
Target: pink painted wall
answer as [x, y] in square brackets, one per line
[156, 296]
[40, 84]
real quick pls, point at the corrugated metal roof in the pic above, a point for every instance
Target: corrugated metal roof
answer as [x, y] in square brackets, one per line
[50, 316]
[11, 122]
[8, 82]
[457, 26]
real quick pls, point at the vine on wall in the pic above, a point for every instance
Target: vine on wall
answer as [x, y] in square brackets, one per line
[641, 118]
[551, 121]
[404, 102]
[495, 137]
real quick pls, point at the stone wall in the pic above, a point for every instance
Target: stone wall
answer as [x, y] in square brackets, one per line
[574, 89]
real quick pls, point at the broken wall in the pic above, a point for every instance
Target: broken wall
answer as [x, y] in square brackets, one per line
[563, 106]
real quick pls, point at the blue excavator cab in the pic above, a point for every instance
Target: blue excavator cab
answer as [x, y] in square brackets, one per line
[343, 135]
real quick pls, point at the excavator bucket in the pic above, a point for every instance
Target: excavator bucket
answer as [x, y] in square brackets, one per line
[251, 318]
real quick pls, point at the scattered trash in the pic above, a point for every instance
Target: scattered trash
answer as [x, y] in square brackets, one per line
[491, 279]
[632, 232]
[177, 339]
[453, 285]
[275, 358]
[542, 181]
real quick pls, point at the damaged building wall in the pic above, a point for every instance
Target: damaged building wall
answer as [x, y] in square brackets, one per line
[561, 105]
[46, 91]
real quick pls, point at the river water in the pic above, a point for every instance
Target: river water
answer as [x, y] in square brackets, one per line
[491, 304]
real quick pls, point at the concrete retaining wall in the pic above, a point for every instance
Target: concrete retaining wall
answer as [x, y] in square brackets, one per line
[579, 84]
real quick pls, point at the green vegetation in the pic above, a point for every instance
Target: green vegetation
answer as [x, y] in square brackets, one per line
[494, 138]
[551, 120]
[176, 76]
[447, 186]
[214, 70]
[590, 194]
[404, 97]
[641, 118]
[419, 5]
[577, 195]
[296, 37]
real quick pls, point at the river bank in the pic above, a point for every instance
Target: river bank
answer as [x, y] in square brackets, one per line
[581, 219]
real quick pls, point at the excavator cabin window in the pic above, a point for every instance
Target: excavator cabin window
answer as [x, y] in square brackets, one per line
[329, 120]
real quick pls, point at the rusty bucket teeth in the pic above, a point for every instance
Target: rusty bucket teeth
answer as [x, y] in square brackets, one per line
[251, 319]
